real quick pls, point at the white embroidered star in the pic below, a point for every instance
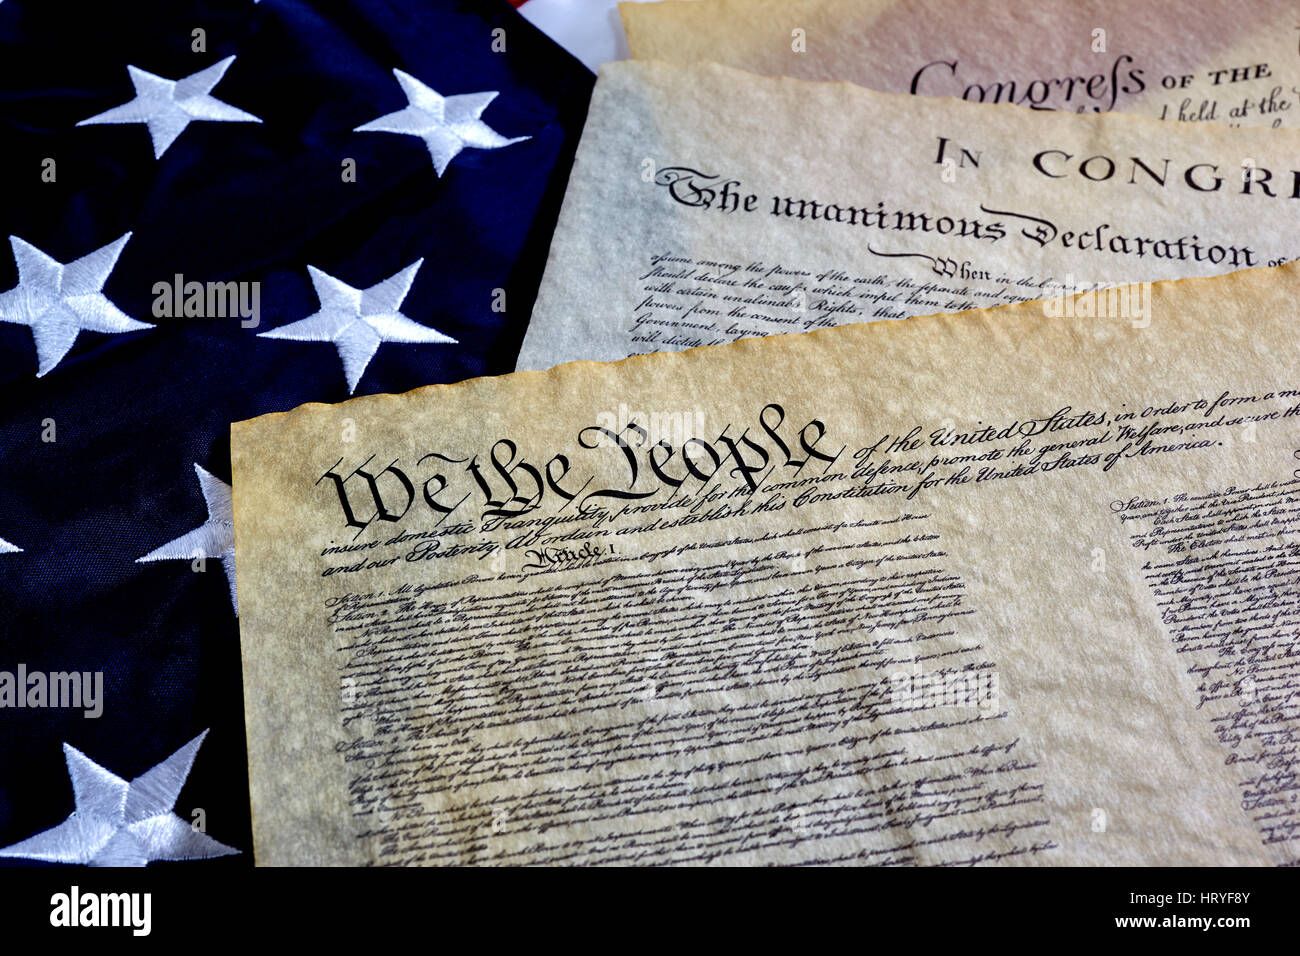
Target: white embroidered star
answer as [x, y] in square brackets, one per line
[357, 320]
[447, 124]
[56, 300]
[168, 106]
[117, 823]
[215, 538]
[7, 548]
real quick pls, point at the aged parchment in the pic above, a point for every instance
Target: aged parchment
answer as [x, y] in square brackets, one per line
[707, 204]
[975, 588]
[1192, 60]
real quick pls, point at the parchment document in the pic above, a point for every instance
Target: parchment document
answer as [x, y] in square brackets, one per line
[1193, 60]
[981, 588]
[707, 204]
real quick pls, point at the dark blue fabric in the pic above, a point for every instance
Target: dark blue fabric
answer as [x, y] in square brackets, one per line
[227, 201]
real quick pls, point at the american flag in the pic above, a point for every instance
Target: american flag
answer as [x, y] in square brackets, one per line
[214, 211]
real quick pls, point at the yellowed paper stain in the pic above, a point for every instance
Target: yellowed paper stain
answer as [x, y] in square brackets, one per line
[707, 204]
[987, 588]
[1186, 61]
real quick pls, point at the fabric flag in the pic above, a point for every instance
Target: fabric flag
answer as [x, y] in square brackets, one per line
[214, 211]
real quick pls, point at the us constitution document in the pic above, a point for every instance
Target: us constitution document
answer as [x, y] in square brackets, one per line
[708, 204]
[995, 587]
[1192, 60]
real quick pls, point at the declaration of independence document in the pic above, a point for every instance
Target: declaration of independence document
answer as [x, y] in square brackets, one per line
[1195, 60]
[979, 588]
[707, 204]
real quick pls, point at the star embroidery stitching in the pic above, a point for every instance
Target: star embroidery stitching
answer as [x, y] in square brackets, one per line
[56, 300]
[447, 124]
[356, 321]
[117, 823]
[215, 538]
[166, 107]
